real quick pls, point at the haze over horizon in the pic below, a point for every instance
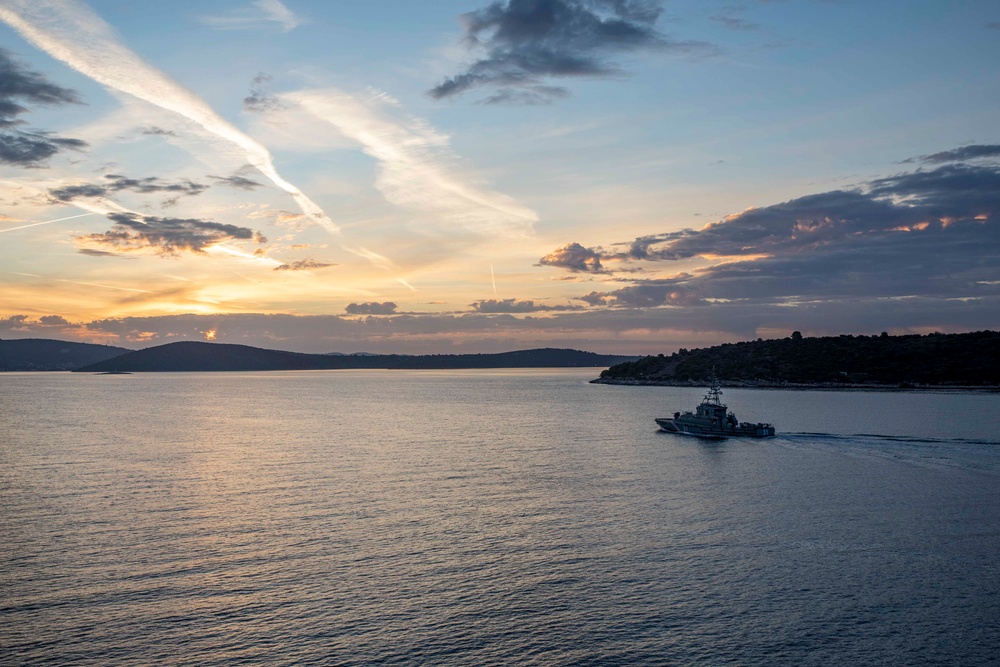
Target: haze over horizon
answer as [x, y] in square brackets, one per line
[618, 176]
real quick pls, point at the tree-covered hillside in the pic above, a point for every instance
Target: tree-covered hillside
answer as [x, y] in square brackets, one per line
[934, 359]
[185, 356]
[41, 354]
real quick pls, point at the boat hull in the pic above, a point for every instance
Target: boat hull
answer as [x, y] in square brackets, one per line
[744, 430]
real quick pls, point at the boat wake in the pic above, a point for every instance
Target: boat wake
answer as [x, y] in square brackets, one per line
[970, 454]
[892, 438]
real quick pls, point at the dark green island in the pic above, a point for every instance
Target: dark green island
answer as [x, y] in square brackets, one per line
[969, 361]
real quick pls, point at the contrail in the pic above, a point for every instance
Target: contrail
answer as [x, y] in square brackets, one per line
[235, 252]
[47, 222]
[70, 31]
[124, 289]
[381, 261]
[77, 282]
[417, 168]
[493, 276]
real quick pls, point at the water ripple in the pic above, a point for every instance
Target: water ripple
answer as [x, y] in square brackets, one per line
[490, 519]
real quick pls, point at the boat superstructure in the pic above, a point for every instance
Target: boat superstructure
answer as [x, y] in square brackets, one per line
[712, 419]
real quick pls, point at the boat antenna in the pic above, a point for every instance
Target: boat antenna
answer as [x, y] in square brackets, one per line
[714, 395]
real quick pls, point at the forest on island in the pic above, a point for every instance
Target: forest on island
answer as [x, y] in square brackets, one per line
[934, 359]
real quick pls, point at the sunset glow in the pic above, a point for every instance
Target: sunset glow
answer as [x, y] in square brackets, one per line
[400, 188]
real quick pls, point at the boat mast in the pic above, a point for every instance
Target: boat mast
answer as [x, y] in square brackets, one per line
[714, 395]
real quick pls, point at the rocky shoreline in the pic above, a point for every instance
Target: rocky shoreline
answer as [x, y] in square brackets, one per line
[805, 386]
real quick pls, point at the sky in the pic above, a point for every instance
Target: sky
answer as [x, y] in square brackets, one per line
[458, 176]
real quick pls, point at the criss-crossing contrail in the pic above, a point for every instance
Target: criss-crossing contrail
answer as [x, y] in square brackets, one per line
[416, 167]
[70, 31]
[47, 222]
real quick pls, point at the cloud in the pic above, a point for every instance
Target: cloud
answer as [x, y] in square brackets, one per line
[640, 248]
[92, 252]
[574, 257]
[261, 14]
[287, 218]
[238, 182]
[951, 191]
[20, 325]
[152, 184]
[923, 234]
[158, 131]
[417, 169]
[618, 330]
[675, 291]
[535, 95]
[971, 152]
[261, 99]
[912, 201]
[515, 306]
[24, 85]
[68, 193]
[526, 42]
[117, 183]
[371, 308]
[303, 265]
[165, 236]
[71, 32]
[20, 86]
[33, 148]
[735, 23]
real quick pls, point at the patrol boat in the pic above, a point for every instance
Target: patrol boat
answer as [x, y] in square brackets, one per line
[711, 419]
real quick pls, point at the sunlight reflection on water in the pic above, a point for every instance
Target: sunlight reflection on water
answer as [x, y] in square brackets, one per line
[487, 517]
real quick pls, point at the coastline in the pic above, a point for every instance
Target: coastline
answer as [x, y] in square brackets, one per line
[809, 386]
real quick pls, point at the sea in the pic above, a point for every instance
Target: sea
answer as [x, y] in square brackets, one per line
[498, 517]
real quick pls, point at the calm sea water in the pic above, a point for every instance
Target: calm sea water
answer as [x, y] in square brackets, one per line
[489, 518]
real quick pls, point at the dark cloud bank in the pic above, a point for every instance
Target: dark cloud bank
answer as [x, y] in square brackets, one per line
[527, 42]
[973, 152]
[517, 306]
[20, 86]
[901, 243]
[610, 330]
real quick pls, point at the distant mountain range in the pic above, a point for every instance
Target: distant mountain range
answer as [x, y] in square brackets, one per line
[968, 359]
[51, 355]
[39, 354]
